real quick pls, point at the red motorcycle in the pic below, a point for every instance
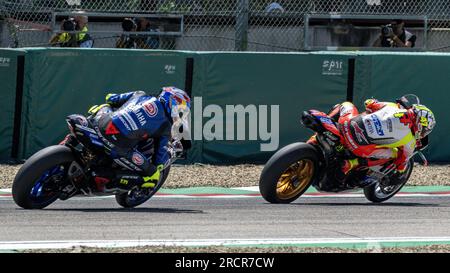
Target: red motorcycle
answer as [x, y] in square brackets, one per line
[295, 167]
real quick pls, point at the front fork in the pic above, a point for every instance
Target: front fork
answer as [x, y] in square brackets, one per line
[69, 141]
[422, 156]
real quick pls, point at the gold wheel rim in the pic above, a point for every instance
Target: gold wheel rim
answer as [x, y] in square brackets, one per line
[295, 179]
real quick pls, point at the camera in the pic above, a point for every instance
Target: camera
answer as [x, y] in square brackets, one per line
[387, 30]
[69, 25]
[128, 24]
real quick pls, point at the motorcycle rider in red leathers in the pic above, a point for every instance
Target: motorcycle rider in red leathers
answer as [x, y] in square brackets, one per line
[385, 131]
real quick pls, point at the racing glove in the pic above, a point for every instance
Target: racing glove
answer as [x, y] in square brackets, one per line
[108, 99]
[94, 109]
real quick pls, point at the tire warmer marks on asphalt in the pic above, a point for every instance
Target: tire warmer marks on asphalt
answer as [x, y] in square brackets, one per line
[249, 192]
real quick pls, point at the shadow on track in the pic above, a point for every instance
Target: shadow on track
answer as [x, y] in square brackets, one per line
[403, 204]
[128, 210]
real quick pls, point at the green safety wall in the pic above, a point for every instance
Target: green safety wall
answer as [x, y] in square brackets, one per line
[388, 76]
[8, 79]
[294, 82]
[59, 82]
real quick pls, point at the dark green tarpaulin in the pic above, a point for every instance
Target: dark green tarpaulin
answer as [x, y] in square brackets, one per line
[292, 82]
[59, 82]
[8, 78]
[388, 76]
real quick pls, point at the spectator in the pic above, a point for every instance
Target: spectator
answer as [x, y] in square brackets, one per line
[67, 37]
[395, 35]
[126, 40]
[83, 37]
[147, 41]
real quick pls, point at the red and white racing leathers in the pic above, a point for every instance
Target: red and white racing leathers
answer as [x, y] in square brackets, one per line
[382, 132]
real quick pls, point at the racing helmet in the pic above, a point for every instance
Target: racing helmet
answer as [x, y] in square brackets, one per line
[425, 120]
[175, 101]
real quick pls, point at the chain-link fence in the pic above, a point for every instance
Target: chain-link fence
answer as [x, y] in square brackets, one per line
[253, 25]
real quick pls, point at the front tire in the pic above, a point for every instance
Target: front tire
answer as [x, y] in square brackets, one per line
[377, 193]
[289, 173]
[137, 197]
[36, 184]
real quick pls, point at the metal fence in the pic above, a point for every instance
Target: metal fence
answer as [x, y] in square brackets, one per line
[228, 25]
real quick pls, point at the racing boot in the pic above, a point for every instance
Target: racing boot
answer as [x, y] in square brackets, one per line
[312, 140]
[349, 165]
[346, 167]
[150, 181]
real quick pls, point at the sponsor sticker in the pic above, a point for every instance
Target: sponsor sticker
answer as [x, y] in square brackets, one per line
[348, 137]
[369, 126]
[389, 125]
[378, 126]
[125, 123]
[130, 120]
[138, 159]
[150, 108]
[140, 117]
[359, 133]
[331, 136]
[332, 67]
[326, 120]
[5, 61]
[170, 69]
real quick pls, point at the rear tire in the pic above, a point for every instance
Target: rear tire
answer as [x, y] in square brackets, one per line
[280, 180]
[375, 194]
[127, 200]
[33, 170]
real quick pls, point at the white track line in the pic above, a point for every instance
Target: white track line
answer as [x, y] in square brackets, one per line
[252, 188]
[371, 242]
[252, 191]
[234, 196]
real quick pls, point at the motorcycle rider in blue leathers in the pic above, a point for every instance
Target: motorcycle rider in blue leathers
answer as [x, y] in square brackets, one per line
[138, 117]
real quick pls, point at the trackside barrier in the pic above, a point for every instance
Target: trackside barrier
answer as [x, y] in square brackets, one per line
[274, 88]
[11, 83]
[388, 76]
[59, 82]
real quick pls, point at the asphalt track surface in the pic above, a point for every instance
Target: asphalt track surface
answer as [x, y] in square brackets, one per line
[221, 218]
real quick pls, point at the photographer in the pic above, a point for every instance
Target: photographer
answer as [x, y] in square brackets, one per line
[74, 33]
[83, 37]
[66, 38]
[147, 41]
[395, 35]
[126, 40]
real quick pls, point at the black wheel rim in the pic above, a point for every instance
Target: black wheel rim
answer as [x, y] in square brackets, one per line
[385, 192]
[138, 196]
[46, 187]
